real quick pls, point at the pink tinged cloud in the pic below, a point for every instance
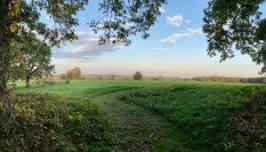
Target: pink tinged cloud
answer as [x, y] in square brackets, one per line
[85, 47]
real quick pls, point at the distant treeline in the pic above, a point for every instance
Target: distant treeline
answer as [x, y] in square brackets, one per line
[234, 80]
[117, 77]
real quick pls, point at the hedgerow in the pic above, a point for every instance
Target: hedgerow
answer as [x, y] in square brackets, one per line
[245, 129]
[48, 123]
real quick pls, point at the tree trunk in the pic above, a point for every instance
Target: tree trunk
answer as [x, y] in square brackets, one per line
[27, 81]
[4, 73]
[5, 36]
[4, 47]
[4, 94]
[3, 87]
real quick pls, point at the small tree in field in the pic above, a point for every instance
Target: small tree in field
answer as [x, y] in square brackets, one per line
[137, 76]
[74, 73]
[36, 58]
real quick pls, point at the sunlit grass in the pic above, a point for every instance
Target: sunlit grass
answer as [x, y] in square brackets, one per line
[198, 110]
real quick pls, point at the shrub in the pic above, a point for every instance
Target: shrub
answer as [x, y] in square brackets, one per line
[228, 79]
[67, 81]
[137, 76]
[254, 80]
[49, 82]
[245, 129]
[44, 82]
[46, 123]
[74, 73]
[63, 76]
[37, 82]
[218, 79]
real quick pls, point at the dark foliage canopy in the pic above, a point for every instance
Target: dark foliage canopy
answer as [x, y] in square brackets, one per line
[123, 18]
[236, 25]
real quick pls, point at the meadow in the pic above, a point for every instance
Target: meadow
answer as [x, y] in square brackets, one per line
[162, 115]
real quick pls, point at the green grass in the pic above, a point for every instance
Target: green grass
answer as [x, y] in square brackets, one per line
[78, 86]
[162, 115]
[197, 111]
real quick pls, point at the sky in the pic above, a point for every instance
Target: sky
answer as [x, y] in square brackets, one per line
[177, 47]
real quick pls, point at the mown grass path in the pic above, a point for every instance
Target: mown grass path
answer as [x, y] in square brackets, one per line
[135, 129]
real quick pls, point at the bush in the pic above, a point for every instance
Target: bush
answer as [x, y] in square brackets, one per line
[46, 123]
[228, 79]
[67, 81]
[218, 79]
[63, 76]
[49, 82]
[245, 129]
[254, 80]
[137, 76]
[37, 82]
[44, 82]
[74, 73]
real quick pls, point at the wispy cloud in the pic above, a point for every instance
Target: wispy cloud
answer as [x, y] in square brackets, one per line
[86, 47]
[177, 36]
[176, 20]
[160, 49]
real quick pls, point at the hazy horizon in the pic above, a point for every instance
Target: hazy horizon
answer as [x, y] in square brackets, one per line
[188, 76]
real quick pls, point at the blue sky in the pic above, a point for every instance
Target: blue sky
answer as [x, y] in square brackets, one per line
[177, 48]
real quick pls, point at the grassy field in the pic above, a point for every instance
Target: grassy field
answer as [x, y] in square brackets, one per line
[169, 115]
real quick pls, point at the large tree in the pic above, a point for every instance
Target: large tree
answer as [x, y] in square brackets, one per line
[35, 59]
[233, 25]
[121, 19]
[18, 17]
[74, 73]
